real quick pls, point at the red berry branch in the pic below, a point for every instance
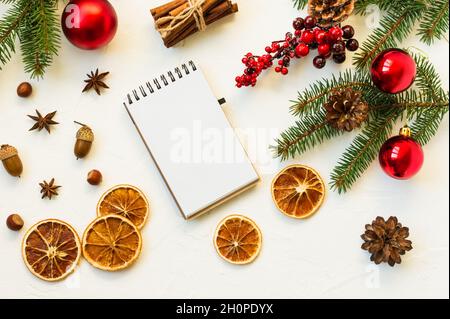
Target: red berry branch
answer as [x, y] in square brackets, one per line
[308, 35]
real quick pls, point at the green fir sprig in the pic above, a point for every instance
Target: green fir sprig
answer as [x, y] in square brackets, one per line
[394, 28]
[35, 23]
[423, 107]
[434, 23]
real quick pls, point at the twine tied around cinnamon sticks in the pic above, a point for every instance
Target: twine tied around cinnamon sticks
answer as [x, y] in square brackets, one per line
[194, 9]
[178, 19]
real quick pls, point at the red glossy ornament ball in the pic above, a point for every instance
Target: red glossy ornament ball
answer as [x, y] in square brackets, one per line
[401, 157]
[393, 71]
[89, 24]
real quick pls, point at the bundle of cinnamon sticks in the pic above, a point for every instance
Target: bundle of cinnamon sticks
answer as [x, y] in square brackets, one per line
[172, 32]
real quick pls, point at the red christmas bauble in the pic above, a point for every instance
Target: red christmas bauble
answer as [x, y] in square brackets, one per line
[89, 24]
[401, 157]
[393, 71]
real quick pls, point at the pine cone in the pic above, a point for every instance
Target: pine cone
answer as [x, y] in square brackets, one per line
[330, 12]
[346, 109]
[386, 241]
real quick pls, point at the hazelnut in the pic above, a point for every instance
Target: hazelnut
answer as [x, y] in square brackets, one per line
[94, 177]
[24, 89]
[14, 222]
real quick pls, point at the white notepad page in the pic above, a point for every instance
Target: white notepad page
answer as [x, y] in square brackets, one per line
[192, 142]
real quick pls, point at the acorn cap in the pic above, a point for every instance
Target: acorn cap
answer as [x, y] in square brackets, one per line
[7, 151]
[85, 134]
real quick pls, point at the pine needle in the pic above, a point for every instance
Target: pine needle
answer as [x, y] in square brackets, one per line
[300, 4]
[434, 23]
[364, 149]
[36, 24]
[395, 27]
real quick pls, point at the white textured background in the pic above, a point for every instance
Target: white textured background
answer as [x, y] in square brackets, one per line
[319, 257]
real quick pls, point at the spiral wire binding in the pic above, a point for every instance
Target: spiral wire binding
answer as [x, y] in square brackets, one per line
[150, 88]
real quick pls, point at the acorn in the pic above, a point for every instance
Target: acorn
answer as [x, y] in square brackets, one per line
[83, 145]
[11, 160]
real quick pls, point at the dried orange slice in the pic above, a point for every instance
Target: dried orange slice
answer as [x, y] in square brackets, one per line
[111, 243]
[51, 249]
[238, 240]
[127, 201]
[298, 191]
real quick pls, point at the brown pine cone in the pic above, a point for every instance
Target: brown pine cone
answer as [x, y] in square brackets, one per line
[330, 12]
[386, 241]
[346, 109]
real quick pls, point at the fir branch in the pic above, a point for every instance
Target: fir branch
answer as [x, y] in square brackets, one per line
[364, 149]
[434, 23]
[427, 125]
[428, 79]
[428, 121]
[304, 135]
[313, 98]
[394, 28]
[40, 37]
[362, 5]
[9, 26]
[36, 24]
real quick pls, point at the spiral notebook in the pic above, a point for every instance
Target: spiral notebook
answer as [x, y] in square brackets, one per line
[190, 140]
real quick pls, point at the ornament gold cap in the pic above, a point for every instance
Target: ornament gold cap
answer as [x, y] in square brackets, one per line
[7, 151]
[85, 134]
[405, 131]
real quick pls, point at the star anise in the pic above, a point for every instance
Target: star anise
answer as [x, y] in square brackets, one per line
[43, 121]
[95, 81]
[49, 189]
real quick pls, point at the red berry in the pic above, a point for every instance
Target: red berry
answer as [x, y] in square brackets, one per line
[327, 56]
[339, 58]
[244, 60]
[324, 49]
[302, 50]
[299, 24]
[319, 62]
[307, 37]
[336, 33]
[268, 49]
[352, 45]
[348, 32]
[284, 71]
[310, 22]
[321, 36]
[339, 47]
[278, 69]
[249, 55]
[298, 33]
